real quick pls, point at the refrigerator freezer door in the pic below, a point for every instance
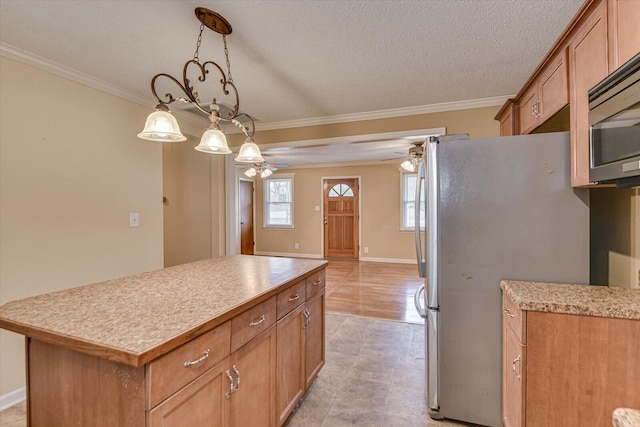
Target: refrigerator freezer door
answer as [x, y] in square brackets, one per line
[433, 393]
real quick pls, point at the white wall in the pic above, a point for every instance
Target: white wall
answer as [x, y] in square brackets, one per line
[71, 170]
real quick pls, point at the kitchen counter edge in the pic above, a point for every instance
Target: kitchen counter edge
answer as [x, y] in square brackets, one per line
[597, 301]
[107, 350]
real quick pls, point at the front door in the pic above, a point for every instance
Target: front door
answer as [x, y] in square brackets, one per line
[246, 217]
[341, 218]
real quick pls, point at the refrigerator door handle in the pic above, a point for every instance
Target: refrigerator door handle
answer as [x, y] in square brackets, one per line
[417, 297]
[422, 263]
[432, 194]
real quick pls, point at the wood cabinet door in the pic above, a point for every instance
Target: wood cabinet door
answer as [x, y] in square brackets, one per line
[507, 119]
[513, 379]
[553, 89]
[201, 403]
[246, 217]
[253, 404]
[625, 31]
[314, 338]
[588, 65]
[291, 374]
[527, 109]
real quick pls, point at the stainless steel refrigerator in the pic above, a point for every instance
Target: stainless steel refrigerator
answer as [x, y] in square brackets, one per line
[497, 208]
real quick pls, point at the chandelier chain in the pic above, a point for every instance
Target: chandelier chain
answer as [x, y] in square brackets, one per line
[226, 54]
[196, 54]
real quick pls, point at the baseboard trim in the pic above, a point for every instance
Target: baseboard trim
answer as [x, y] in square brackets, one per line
[13, 398]
[389, 260]
[289, 255]
[318, 256]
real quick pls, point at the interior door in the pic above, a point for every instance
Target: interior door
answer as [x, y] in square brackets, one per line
[341, 218]
[246, 217]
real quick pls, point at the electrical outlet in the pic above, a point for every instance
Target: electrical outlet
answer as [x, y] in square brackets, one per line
[296, 246]
[366, 249]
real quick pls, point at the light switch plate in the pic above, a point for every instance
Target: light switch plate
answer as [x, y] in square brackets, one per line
[134, 219]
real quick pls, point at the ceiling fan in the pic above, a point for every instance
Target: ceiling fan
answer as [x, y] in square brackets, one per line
[412, 160]
[264, 169]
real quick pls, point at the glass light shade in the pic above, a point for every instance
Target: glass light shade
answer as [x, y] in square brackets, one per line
[249, 152]
[213, 141]
[161, 126]
[408, 165]
[251, 172]
[265, 173]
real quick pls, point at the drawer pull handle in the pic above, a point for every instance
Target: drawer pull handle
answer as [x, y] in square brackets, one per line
[195, 362]
[232, 389]
[509, 313]
[257, 322]
[293, 298]
[513, 367]
[235, 370]
[317, 282]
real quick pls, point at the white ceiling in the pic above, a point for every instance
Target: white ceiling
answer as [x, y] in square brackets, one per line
[296, 60]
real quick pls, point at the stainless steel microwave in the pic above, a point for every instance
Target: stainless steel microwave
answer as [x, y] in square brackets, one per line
[614, 122]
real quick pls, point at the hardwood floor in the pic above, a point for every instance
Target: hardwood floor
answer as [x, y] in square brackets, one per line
[373, 289]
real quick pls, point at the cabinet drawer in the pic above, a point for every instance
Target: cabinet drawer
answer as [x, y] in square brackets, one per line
[514, 318]
[252, 322]
[176, 369]
[315, 283]
[290, 298]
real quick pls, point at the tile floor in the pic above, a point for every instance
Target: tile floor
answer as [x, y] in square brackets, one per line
[373, 376]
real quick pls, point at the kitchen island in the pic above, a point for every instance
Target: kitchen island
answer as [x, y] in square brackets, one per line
[170, 347]
[571, 353]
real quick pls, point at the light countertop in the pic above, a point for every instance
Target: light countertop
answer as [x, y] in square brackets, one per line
[599, 301]
[625, 417]
[138, 318]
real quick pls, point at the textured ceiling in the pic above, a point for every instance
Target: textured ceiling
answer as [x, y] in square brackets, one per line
[294, 60]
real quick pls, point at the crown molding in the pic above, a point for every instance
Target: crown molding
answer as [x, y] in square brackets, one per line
[45, 64]
[385, 114]
[52, 67]
[36, 61]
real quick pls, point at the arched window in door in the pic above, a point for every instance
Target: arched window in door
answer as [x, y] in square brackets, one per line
[341, 190]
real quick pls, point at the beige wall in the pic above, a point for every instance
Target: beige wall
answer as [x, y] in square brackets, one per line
[477, 122]
[379, 215]
[615, 237]
[71, 170]
[193, 187]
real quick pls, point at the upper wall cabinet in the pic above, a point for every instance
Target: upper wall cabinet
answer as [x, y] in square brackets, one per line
[508, 118]
[624, 31]
[547, 95]
[602, 36]
[588, 59]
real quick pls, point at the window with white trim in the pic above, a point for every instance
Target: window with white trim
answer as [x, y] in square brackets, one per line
[278, 202]
[408, 190]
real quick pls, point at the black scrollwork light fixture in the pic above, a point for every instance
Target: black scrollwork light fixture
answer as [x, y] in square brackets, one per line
[162, 126]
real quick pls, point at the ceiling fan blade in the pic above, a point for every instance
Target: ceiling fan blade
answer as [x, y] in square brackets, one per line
[278, 165]
[394, 158]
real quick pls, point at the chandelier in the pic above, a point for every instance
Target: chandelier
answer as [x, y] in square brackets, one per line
[162, 126]
[260, 169]
[415, 156]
